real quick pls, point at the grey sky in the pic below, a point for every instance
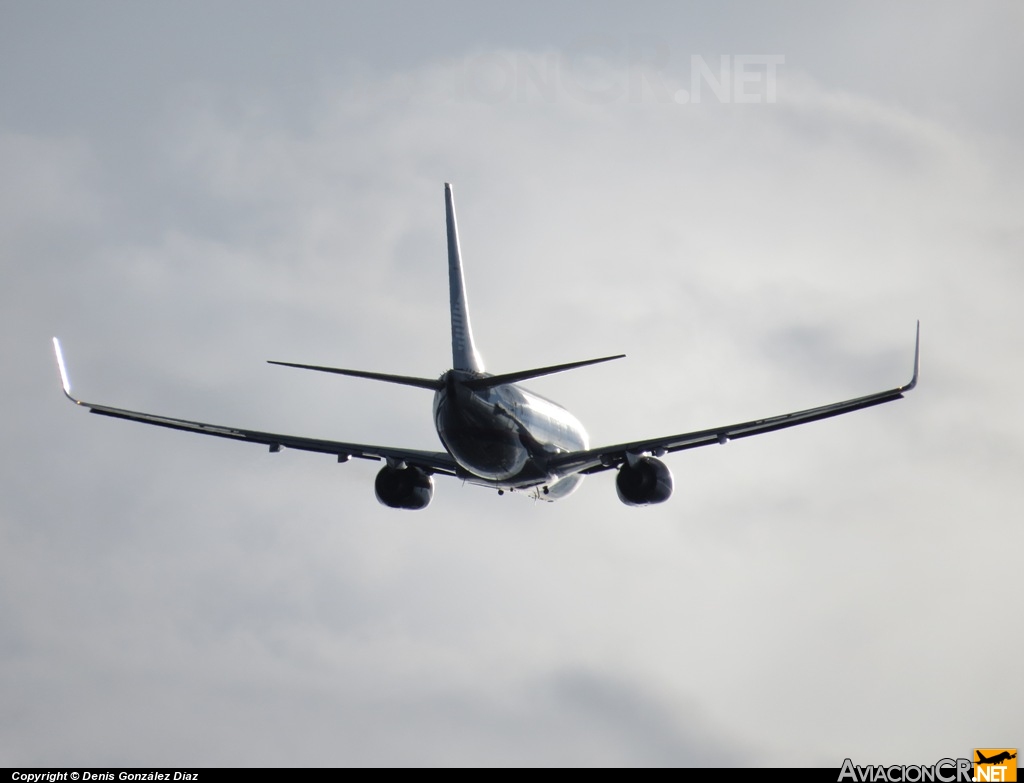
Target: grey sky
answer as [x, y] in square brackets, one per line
[189, 189]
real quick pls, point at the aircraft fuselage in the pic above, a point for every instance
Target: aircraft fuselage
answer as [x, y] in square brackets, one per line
[505, 434]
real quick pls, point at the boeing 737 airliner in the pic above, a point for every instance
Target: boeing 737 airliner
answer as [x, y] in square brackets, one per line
[497, 434]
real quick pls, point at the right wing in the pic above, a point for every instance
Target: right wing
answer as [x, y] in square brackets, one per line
[431, 461]
[606, 457]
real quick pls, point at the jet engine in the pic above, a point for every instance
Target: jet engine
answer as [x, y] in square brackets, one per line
[410, 487]
[645, 482]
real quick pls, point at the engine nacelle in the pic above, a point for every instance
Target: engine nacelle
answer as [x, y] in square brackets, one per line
[645, 482]
[410, 488]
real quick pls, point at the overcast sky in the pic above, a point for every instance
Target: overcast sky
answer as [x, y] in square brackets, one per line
[754, 201]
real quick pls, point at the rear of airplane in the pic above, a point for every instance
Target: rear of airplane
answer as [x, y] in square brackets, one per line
[466, 360]
[501, 436]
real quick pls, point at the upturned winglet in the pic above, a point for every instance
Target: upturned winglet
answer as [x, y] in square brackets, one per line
[917, 361]
[62, 369]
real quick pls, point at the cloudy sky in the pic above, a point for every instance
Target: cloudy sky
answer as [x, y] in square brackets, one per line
[755, 202]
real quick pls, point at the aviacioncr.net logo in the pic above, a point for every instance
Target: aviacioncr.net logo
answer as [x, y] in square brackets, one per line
[996, 765]
[942, 771]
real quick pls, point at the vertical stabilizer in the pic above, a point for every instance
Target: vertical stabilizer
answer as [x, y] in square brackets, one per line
[464, 355]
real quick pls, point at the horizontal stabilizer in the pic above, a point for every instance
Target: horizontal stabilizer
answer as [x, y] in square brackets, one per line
[404, 380]
[515, 377]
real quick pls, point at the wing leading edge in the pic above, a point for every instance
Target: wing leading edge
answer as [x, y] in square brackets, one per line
[605, 457]
[431, 461]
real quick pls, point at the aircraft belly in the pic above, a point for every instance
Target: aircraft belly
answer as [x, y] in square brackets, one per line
[490, 448]
[487, 453]
[504, 437]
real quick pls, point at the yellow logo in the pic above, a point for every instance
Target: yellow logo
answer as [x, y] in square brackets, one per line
[998, 765]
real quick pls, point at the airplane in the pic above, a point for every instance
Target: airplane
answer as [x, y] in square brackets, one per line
[497, 434]
[996, 759]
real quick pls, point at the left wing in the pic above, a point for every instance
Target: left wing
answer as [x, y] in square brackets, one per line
[596, 460]
[431, 461]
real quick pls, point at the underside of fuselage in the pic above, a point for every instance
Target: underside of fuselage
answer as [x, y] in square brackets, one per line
[503, 436]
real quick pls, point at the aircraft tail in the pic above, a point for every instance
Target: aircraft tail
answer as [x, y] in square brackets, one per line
[404, 380]
[522, 375]
[464, 353]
